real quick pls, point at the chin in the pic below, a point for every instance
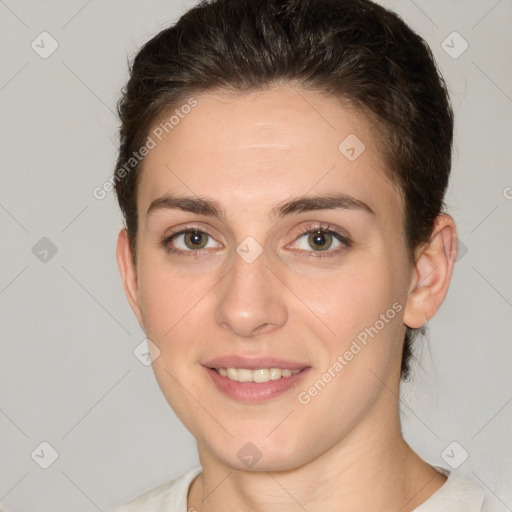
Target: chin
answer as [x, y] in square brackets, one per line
[246, 453]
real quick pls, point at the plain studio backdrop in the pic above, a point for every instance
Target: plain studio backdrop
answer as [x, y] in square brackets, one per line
[83, 424]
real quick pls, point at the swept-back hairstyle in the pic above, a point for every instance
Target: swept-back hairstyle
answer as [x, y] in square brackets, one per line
[354, 50]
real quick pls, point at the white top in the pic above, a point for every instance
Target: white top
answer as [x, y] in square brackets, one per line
[456, 495]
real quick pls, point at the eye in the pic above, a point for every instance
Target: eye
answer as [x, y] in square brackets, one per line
[321, 239]
[190, 240]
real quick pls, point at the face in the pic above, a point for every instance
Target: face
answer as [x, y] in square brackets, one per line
[288, 253]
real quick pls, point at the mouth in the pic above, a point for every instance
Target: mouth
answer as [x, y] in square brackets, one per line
[255, 381]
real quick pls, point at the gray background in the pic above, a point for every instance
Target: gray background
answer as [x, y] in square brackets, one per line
[69, 375]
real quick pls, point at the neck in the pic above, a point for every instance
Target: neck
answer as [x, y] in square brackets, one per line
[369, 469]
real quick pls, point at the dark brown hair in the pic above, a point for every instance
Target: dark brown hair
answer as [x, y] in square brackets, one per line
[354, 50]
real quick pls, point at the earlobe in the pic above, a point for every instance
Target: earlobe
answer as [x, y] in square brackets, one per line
[432, 273]
[128, 273]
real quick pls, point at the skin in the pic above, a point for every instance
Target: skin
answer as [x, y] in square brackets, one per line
[250, 152]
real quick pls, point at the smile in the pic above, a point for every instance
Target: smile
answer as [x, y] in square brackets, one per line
[255, 385]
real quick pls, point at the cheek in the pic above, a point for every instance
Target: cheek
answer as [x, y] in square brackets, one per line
[349, 298]
[165, 298]
[362, 305]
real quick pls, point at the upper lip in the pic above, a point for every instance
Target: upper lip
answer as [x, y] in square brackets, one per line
[253, 363]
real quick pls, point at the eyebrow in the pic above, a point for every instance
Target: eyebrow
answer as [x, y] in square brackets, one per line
[212, 208]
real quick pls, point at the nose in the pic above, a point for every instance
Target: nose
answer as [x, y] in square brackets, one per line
[251, 299]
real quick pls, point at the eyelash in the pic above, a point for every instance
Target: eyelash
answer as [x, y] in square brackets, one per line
[306, 230]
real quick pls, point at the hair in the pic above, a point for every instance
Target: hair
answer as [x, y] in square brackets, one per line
[353, 50]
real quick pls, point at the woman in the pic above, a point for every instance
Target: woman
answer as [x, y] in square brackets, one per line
[281, 172]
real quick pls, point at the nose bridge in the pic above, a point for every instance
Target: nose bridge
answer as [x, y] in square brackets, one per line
[250, 299]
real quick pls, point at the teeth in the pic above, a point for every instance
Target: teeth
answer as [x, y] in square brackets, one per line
[259, 375]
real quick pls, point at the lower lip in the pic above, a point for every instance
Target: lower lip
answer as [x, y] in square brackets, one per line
[255, 392]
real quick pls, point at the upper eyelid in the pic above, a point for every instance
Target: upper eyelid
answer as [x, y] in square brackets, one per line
[304, 230]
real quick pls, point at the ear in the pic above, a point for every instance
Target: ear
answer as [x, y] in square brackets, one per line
[128, 273]
[432, 273]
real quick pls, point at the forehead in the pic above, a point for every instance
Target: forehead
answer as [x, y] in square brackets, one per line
[253, 150]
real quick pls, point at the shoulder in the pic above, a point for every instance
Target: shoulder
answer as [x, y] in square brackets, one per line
[168, 497]
[456, 495]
